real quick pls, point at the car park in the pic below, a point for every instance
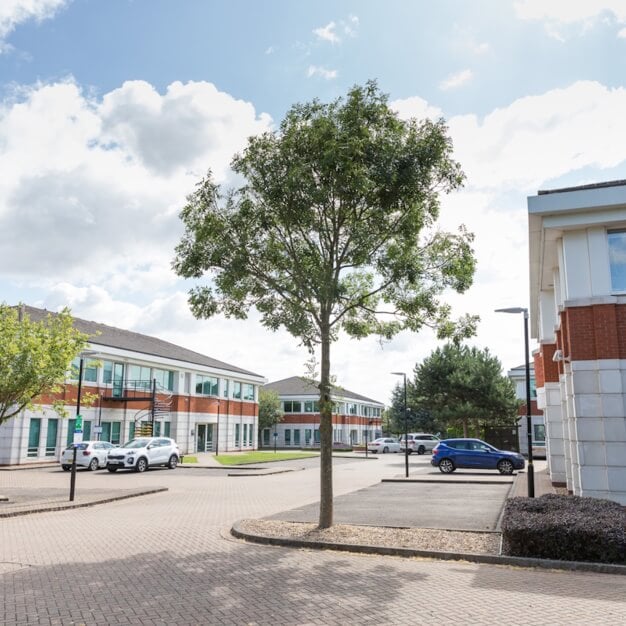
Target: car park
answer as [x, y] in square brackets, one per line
[143, 452]
[419, 442]
[384, 445]
[450, 454]
[89, 454]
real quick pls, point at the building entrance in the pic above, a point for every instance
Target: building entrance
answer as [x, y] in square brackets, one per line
[204, 437]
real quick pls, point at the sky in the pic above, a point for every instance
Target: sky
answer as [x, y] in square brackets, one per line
[112, 110]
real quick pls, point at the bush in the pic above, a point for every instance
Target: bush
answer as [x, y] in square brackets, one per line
[568, 528]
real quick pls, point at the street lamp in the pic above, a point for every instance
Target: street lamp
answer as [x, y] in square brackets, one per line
[406, 427]
[531, 468]
[78, 422]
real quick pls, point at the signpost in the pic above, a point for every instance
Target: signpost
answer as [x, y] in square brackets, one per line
[275, 438]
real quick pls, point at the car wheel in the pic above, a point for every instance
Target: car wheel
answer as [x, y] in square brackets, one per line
[173, 462]
[446, 466]
[505, 467]
[409, 451]
[142, 465]
[421, 450]
[112, 469]
[385, 450]
[66, 468]
[94, 465]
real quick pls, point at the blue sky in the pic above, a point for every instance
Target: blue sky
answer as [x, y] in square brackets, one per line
[110, 111]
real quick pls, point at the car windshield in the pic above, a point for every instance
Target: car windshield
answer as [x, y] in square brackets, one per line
[137, 443]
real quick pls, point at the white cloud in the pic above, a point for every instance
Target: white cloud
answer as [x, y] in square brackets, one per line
[351, 26]
[269, 50]
[557, 14]
[456, 80]
[622, 33]
[415, 107]
[318, 70]
[91, 189]
[14, 12]
[327, 33]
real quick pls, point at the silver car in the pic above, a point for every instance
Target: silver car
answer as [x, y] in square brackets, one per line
[143, 452]
[89, 454]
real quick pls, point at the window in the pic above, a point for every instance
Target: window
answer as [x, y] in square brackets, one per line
[539, 433]
[316, 436]
[86, 430]
[225, 388]
[139, 375]
[166, 428]
[237, 433]
[164, 378]
[287, 436]
[617, 259]
[34, 431]
[51, 437]
[107, 372]
[352, 409]
[307, 436]
[248, 392]
[245, 434]
[308, 406]
[266, 436]
[111, 432]
[292, 406]
[237, 390]
[90, 370]
[70, 431]
[206, 385]
[296, 437]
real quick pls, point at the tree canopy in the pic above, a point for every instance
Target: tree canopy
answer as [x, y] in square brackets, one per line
[419, 418]
[35, 357]
[333, 229]
[465, 386]
[270, 411]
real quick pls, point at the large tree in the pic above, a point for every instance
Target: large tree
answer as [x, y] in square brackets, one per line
[332, 229]
[418, 417]
[465, 386]
[35, 357]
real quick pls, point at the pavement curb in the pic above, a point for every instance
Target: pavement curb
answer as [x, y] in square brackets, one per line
[80, 505]
[454, 481]
[516, 561]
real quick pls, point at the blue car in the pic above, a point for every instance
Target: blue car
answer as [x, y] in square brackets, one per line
[450, 454]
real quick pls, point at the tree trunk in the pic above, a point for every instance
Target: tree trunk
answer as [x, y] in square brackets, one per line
[326, 435]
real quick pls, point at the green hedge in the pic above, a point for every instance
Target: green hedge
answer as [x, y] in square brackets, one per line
[568, 528]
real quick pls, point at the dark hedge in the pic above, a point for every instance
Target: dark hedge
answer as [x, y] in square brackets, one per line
[568, 528]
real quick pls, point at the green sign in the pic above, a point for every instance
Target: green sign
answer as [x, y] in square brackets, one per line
[78, 422]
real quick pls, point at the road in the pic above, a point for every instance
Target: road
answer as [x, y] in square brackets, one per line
[167, 559]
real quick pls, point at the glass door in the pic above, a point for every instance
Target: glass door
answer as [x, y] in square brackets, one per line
[204, 437]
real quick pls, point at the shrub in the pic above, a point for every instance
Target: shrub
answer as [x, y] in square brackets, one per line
[569, 528]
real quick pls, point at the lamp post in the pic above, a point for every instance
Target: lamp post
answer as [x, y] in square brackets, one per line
[531, 467]
[85, 353]
[406, 427]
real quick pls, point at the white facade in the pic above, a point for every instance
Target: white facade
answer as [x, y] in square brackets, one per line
[576, 312]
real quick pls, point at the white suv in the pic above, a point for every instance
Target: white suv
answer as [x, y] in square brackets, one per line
[144, 452]
[419, 442]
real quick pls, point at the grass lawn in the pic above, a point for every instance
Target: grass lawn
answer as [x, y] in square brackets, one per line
[189, 459]
[261, 457]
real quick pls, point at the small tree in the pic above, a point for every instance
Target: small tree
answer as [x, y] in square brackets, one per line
[465, 386]
[35, 357]
[270, 411]
[333, 229]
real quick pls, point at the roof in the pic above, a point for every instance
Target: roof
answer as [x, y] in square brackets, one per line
[608, 183]
[109, 336]
[299, 386]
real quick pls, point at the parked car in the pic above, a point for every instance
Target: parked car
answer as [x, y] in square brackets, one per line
[450, 454]
[384, 445]
[143, 452]
[419, 442]
[89, 454]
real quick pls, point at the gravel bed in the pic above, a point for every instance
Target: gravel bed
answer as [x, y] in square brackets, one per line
[416, 538]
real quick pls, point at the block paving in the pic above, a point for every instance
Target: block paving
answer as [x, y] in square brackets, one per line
[168, 558]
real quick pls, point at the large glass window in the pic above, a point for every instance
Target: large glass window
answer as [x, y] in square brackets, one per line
[287, 436]
[164, 378]
[237, 435]
[107, 372]
[34, 432]
[307, 436]
[617, 259]
[237, 390]
[206, 385]
[539, 434]
[51, 437]
[292, 406]
[139, 376]
[111, 432]
[225, 387]
[70, 431]
[90, 370]
[248, 392]
[296, 437]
